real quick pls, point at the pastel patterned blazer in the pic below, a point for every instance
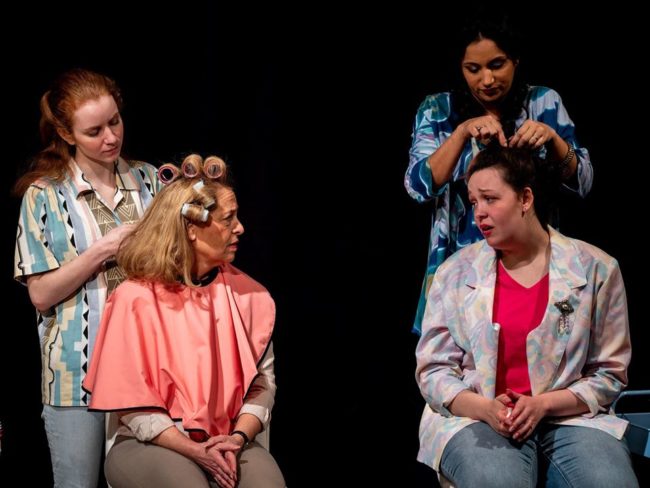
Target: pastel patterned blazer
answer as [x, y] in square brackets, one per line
[584, 347]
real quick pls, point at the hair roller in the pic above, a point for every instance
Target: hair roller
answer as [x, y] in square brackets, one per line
[190, 168]
[168, 173]
[208, 203]
[214, 167]
[192, 211]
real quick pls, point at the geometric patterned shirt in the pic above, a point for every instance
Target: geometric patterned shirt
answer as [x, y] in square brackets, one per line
[452, 222]
[58, 221]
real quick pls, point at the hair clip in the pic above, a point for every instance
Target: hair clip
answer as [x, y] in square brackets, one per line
[202, 216]
[168, 173]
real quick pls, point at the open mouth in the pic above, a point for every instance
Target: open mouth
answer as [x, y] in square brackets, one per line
[486, 229]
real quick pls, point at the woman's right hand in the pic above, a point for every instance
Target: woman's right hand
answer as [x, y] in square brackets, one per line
[48, 289]
[497, 413]
[111, 241]
[484, 129]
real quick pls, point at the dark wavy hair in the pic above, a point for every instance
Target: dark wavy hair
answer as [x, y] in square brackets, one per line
[521, 168]
[499, 29]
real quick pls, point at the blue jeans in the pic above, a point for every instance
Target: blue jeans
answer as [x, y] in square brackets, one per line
[554, 456]
[76, 438]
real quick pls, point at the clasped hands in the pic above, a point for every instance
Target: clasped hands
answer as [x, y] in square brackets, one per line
[531, 134]
[220, 459]
[514, 415]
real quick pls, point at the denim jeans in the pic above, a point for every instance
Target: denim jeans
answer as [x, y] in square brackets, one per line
[76, 438]
[554, 456]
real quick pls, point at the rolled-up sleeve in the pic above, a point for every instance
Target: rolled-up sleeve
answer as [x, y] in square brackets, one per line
[260, 397]
[438, 357]
[426, 139]
[605, 371]
[146, 426]
[566, 130]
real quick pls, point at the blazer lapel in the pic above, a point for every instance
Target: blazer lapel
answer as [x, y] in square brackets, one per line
[546, 344]
[478, 304]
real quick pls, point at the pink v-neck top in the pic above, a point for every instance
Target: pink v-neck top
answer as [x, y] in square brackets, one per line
[518, 310]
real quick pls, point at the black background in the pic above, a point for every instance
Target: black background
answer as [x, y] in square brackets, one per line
[313, 108]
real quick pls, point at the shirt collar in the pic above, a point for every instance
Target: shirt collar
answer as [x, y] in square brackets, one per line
[123, 177]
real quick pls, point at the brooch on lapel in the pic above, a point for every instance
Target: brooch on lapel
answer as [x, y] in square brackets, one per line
[565, 309]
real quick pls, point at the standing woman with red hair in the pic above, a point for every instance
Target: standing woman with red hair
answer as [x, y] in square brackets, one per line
[80, 199]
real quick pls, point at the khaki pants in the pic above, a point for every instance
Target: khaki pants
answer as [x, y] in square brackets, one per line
[134, 464]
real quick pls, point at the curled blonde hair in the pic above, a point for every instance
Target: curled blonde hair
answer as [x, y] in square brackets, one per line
[193, 165]
[159, 248]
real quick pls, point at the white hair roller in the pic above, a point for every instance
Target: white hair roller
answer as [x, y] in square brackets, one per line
[203, 215]
[209, 202]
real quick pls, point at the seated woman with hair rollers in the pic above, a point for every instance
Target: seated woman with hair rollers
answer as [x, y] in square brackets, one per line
[184, 352]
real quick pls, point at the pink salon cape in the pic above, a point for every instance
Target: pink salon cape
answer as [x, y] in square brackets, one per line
[192, 352]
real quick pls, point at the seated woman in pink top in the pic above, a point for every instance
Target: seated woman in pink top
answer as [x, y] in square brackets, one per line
[184, 352]
[525, 344]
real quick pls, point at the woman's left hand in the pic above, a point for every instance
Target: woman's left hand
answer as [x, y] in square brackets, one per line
[526, 414]
[226, 446]
[532, 134]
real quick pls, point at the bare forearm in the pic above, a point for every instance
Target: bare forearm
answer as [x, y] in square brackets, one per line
[174, 439]
[249, 424]
[561, 403]
[443, 161]
[469, 404]
[48, 289]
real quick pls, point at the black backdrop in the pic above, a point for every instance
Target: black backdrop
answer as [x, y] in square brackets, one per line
[314, 115]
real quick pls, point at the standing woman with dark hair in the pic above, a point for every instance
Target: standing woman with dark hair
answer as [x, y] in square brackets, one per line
[80, 199]
[492, 103]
